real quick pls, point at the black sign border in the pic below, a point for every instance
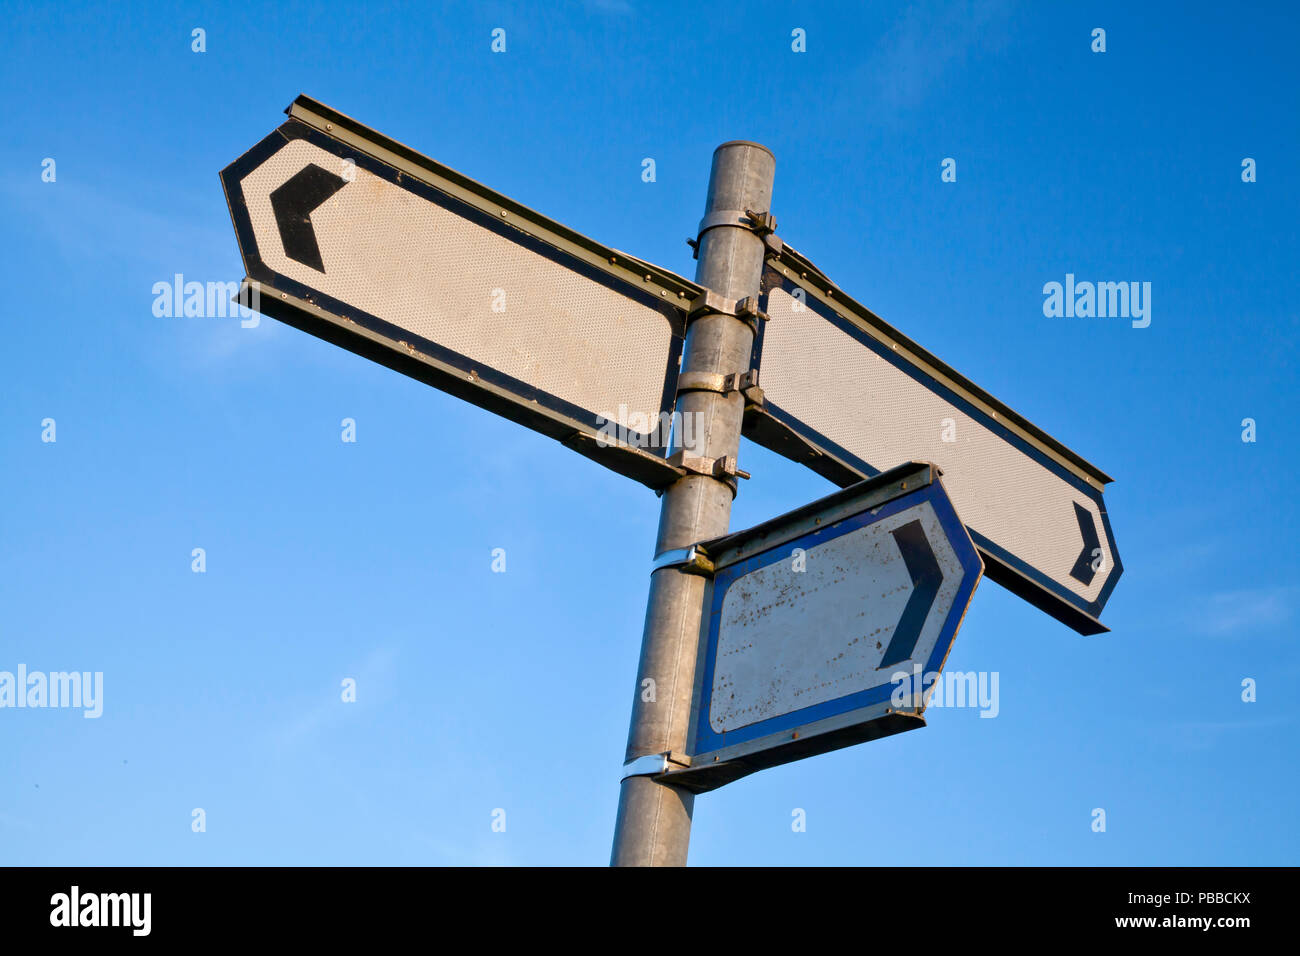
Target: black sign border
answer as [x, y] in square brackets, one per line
[327, 318]
[781, 432]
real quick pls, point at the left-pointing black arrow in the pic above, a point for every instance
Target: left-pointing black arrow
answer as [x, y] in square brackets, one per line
[293, 204]
[926, 578]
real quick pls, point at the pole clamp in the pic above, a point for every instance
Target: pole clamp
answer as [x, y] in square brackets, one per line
[744, 382]
[761, 224]
[764, 226]
[747, 309]
[690, 560]
[652, 765]
[710, 303]
[723, 468]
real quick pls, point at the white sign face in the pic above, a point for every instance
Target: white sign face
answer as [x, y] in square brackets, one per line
[827, 626]
[356, 239]
[840, 383]
[792, 639]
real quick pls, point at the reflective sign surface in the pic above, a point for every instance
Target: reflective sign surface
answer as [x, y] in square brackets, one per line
[828, 626]
[356, 239]
[868, 399]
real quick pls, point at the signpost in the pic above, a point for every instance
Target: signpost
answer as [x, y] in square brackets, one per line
[654, 817]
[849, 395]
[816, 622]
[761, 647]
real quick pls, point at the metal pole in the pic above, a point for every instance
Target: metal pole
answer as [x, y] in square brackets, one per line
[654, 820]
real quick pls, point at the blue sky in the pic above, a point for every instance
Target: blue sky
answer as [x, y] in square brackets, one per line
[371, 560]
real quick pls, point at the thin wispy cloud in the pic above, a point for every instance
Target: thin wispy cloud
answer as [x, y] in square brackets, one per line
[132, 226]
[374, 680]
[620, 7]
[926, 46]
[1246, 612]
[1194, 736]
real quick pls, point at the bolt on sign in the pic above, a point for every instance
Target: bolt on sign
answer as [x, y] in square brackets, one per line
[365, 243]
[849, 395]
[826, 626]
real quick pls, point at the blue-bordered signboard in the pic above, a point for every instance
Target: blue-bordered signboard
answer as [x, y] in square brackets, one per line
[828, 626]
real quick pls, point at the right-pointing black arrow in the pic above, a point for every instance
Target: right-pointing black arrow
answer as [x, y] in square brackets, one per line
[293, 204]
[926, 578]
[1083, 569]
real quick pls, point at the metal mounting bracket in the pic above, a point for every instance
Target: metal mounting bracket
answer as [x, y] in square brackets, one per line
[710, 303]
[690, 560]
[744, 382]
[747, 308]
[654, 764]
[722, 468]
[762, 224]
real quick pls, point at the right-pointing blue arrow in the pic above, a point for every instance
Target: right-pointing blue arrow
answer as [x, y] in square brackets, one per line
[926, 578]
